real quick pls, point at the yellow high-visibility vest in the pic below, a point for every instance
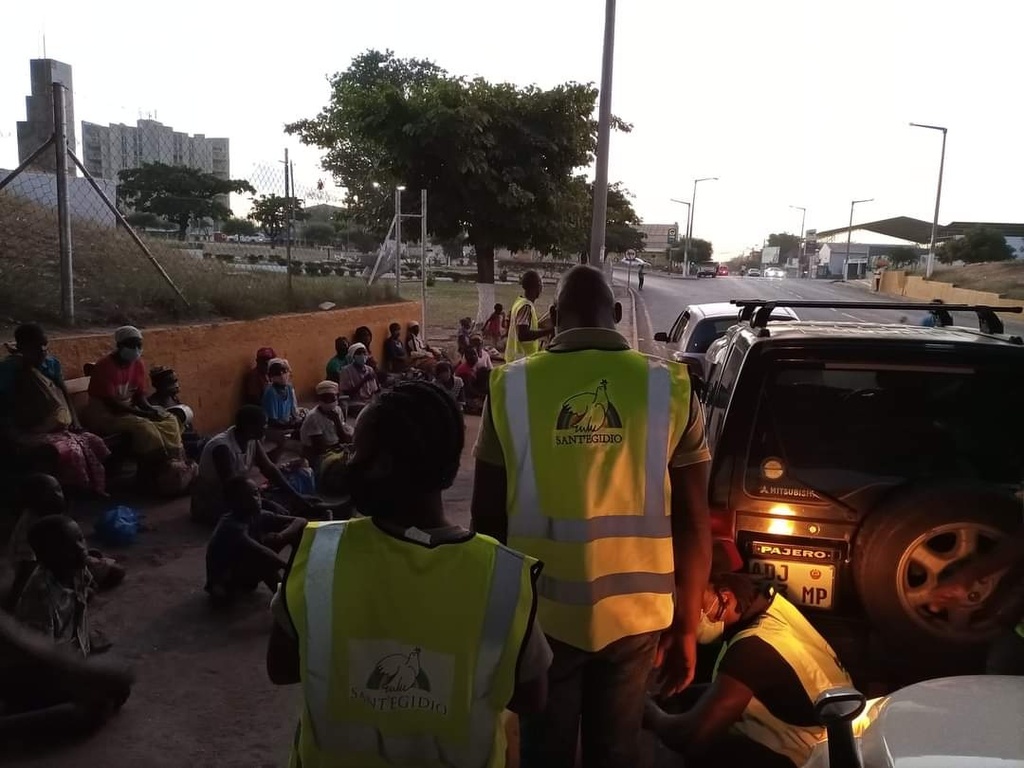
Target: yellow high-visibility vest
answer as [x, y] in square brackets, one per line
[587, 437]
[407, 652]
[514, 348]
[816, 665]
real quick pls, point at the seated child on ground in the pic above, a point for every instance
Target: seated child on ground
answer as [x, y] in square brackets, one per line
[243, 551]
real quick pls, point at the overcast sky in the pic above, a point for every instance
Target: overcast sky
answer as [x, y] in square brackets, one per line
[789, 102]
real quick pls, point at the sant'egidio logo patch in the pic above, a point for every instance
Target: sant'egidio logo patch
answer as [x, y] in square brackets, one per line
[589, 418]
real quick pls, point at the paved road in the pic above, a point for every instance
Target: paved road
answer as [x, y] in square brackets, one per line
[665, 297]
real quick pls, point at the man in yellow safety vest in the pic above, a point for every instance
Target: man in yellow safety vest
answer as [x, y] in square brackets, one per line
[524, 331]
[759, 708]
[410, 635]
[592, 458]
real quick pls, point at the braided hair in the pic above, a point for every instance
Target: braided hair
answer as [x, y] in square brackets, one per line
[421, 426]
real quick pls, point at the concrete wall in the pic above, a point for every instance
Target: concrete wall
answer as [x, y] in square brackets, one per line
[899, 283]
[211, 359]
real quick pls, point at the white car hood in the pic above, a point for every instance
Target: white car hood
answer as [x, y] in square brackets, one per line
[953, 722]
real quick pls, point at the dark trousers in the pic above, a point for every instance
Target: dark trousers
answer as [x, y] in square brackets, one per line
[595, 699]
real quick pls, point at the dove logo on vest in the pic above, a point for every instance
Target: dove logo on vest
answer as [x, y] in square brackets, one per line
[589, 418]
[389, 676]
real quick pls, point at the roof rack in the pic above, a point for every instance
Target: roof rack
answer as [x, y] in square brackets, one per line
[758, 311]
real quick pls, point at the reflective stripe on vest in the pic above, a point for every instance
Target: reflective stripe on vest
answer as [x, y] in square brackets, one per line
[590, 596]
[816, 665]
[514, 348]
[350, 738]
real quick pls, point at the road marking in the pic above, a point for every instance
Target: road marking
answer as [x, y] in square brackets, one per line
[853, 317]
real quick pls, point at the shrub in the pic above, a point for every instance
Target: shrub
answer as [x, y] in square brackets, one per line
[503, 275]
[430, 280]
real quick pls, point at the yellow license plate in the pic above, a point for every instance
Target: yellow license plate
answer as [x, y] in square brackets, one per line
[810, 584]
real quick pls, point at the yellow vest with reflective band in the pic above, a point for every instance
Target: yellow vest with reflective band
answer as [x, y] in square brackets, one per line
[786, 630]
[407, 652]
[587, 437]
[514, 348]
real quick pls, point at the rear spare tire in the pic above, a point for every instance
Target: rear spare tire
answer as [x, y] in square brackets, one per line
[914, 538]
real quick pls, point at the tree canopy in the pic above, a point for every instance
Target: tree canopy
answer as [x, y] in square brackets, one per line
[788, 245]
[271, 212]
[498, 160]
[235, 226]
[700, 251]
[318, 232]
[179, 194]
[979, 244]
[903, 256]
[621, 233]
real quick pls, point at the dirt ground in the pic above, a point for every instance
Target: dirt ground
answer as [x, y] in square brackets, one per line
[202, 697]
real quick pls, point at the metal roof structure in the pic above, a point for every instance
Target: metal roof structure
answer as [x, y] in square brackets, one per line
[920, 231]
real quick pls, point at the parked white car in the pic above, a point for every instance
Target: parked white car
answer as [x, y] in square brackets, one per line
[953, 722]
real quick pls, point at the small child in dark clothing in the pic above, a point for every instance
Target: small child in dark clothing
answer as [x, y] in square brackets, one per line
[244, 548]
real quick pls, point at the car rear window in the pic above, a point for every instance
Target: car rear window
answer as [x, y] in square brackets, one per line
[708, 330]
[839, 428]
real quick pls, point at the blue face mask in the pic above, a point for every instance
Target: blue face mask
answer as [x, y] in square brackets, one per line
[129, 354]
[359, 360]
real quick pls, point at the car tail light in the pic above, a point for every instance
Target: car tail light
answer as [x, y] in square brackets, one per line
[723, 537]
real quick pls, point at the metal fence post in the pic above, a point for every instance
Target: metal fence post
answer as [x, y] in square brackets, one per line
[67, 285]
[398, 242]
[423, 260]
[288, 183]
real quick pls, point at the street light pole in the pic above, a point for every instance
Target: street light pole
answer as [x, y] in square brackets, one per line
[803, 246]
[849, 234]
[938, 196]
[689, 228]
[604, 125]
[685, 231]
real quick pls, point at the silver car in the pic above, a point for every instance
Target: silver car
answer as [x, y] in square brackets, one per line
[699, 325]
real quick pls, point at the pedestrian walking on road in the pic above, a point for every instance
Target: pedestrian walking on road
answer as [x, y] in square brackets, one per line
[592, 458]
[524, 331]
[640, 277]
[415, 634]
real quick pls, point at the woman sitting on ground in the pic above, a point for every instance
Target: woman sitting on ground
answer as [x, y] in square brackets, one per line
[243, 551]
[358, 381]
[421, 354]
[118, 405]
[281, 405]
[396, 359]
[42, 416]
[237, 451]
[340, 359]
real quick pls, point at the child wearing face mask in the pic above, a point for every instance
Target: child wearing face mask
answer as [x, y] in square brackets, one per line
[118, 405]
[324, 430]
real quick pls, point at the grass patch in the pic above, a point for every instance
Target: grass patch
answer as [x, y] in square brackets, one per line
[1004, 277]
[115, 283]
[448, 302]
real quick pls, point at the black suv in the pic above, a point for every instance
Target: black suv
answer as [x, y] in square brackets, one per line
[855, 464]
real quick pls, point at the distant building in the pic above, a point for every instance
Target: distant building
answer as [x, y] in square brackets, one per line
[110, 149]
[862, 259]
[37, 127]
[656, 237]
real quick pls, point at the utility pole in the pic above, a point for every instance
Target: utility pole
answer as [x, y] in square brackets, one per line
[938, 197]
[604, 123]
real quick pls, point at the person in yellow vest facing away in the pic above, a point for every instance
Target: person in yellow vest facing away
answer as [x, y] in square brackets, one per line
[592, 458]
[524, 331]
[410, 635]
[759, 708]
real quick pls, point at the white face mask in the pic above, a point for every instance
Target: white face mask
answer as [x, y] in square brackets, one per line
[709, 631]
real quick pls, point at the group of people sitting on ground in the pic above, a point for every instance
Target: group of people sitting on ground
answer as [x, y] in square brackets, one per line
[41, 430]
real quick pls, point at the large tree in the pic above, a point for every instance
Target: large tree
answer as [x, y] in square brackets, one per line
[979, 244]
[271, 212]
[233, 227]
[496, 159]
[621, 233]
[700, 251]
[903, 256]
[179, 194]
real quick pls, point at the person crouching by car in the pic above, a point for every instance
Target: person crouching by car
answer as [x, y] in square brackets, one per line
[759, 707]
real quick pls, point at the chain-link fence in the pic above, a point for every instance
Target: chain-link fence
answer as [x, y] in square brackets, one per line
[145, 224]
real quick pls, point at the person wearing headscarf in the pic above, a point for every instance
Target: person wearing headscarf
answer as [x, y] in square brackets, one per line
[421, 354]
[118, 405]
[358, 381]
[256, 378]
[39, 419]
[325, 435]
